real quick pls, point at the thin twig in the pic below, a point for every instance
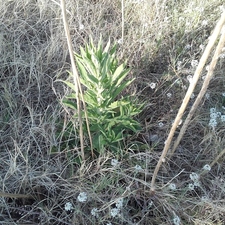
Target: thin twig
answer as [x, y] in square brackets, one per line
[186, 99]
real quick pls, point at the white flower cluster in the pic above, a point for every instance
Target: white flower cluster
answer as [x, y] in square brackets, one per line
[94, 212]
[176, 220]
[119, 205]
[195, 178]
[207, 167]
[138, 168]
[114, 162]
[172, 187]
[82, 197]
[68, 206]
[215, 117]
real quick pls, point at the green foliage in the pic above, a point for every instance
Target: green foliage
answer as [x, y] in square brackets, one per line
[111, 116]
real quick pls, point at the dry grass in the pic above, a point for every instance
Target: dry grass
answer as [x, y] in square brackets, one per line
[160, 42]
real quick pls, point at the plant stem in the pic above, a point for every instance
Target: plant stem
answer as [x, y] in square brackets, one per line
[76, 83]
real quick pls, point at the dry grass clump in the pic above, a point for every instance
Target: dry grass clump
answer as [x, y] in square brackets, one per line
[162, 44]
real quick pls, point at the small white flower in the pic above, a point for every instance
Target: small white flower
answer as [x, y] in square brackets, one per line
[192, 95]
[119, 203]
[222, 118]
[223, 94]
[176, 220]
[128, 189]
[94, 212]
[169, 95]
[82, 197]
[114, 212]
[194, 63]
[138, 168]
[204, 23]
[201, 47]
[172, 187]
[179, 65]
[187, 47]
[203, 77]
[120, 41]
[207, 167]
[150, 204]
[207, 95]
[81, 27]
[213, 115]
[197, 183]
[114, 162]
[204, 198]
[207, 68]
[212, 110]
[191, 187]
[68, 206]
[190, 78]
[161, 124]
[109, 223]
[194, 177]
[222, 56]
[152, 85]
[213, 123]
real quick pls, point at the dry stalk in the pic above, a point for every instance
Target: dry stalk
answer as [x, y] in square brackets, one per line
[186, 99]
[205, 84]
[77, 84]
[9, 195]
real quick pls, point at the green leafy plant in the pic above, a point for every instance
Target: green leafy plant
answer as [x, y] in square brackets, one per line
[110, 115]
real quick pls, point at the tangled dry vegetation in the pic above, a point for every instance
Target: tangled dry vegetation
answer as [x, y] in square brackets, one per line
[162, 43]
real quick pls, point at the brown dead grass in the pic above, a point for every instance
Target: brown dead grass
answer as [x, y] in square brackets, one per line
[34, 54]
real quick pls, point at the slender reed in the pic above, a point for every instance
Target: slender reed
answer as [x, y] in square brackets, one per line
[76, 83]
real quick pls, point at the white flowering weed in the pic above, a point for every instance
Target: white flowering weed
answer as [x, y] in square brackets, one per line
[160, 124]
[94, 212]
[172, 187]
[191, 187]
[207, 167]
[190, 78]
[82, 197]
[215, 118]
[114, 162]
[119, 203]
[138, 168]
[152, 85]
[176, 220]
[68, 206]
[194, 177]
[194, 63]
[114, 212]
[169, 95]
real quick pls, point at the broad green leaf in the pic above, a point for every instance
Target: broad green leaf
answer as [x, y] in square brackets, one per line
[117, 73]
[106, 49]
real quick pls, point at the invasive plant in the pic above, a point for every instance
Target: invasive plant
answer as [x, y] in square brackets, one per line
[110, 115]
